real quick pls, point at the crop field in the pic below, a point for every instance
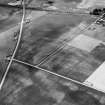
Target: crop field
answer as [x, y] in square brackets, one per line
[59, 58]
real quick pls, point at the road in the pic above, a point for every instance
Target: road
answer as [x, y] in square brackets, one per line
[7, 37]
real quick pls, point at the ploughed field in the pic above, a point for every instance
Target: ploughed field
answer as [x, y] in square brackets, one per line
[58, 43]
[49, 42]
[30, 86]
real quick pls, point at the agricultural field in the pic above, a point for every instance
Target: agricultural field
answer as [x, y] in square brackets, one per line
[30, 86]
[57, 58]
